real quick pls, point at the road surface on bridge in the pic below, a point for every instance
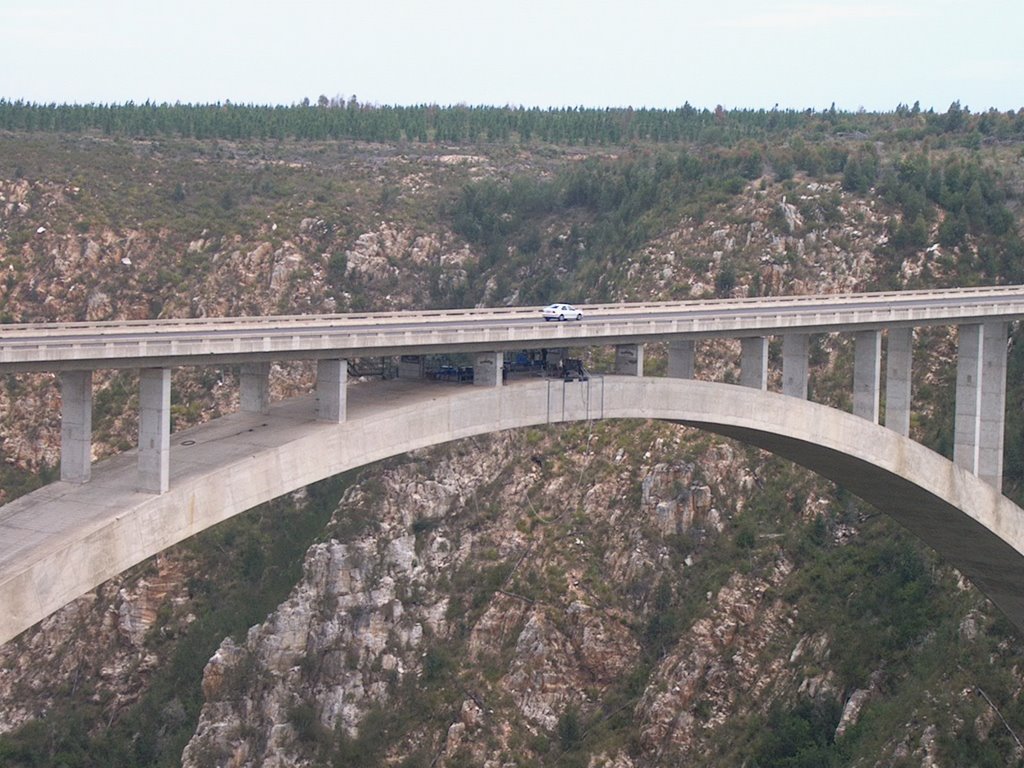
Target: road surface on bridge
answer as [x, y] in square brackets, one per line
[153, 343]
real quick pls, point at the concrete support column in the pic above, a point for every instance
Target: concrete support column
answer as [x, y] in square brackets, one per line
[993, 403]
[967, 423]
[331, 390]
[410, 367]
[867, 364]
[629, 359]
[254, 385]
[794, 365]
[898, 362]
[487, 369]
[76, 426]
[754, 362]
[681, 355]
[154, 429]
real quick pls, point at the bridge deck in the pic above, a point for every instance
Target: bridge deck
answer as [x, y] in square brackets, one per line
[223, 341]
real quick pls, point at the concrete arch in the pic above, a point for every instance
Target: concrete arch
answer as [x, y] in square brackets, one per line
[235, 463]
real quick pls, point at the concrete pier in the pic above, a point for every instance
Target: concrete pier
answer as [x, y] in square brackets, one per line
[681, 357]
[76, 426]
[410, 367]
[898, 363]
[629, 359]
[993, 403]
[254, 387]
[981, 400]
[331, 390]
[967, 422]
[487, 369]
[154, 429]
[794, 365]
[754, 362]
[867, 363]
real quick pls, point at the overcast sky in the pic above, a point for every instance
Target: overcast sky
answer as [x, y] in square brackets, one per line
[653, 53]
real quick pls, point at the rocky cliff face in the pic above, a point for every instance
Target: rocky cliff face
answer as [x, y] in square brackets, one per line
[601, 594]
[512, 580]
[98, 647]
[532, 599]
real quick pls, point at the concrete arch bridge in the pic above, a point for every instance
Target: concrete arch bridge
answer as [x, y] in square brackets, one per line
[66, 538]
[241, 460]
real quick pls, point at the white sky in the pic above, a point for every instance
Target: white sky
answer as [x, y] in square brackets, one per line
[655, 53]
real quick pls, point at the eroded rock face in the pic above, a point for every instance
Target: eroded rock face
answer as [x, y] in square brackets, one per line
[350, 632]
[534, 645]
[787, 242]
[96, 643]
[674, 501]
[716, 665]
[371, 611]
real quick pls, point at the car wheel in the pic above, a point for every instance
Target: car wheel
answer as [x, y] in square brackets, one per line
[579, 315]
[561, 317]
[546, 319]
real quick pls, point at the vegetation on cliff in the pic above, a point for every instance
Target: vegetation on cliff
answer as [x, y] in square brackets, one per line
[619, 594]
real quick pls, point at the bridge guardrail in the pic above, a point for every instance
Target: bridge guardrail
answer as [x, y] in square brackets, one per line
[117, 344]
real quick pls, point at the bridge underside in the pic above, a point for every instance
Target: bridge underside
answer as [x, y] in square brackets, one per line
[62, 540]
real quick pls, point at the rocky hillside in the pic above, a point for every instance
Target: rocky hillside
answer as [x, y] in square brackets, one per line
[626, 594]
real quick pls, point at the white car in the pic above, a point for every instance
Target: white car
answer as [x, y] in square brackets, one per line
[561, 312]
